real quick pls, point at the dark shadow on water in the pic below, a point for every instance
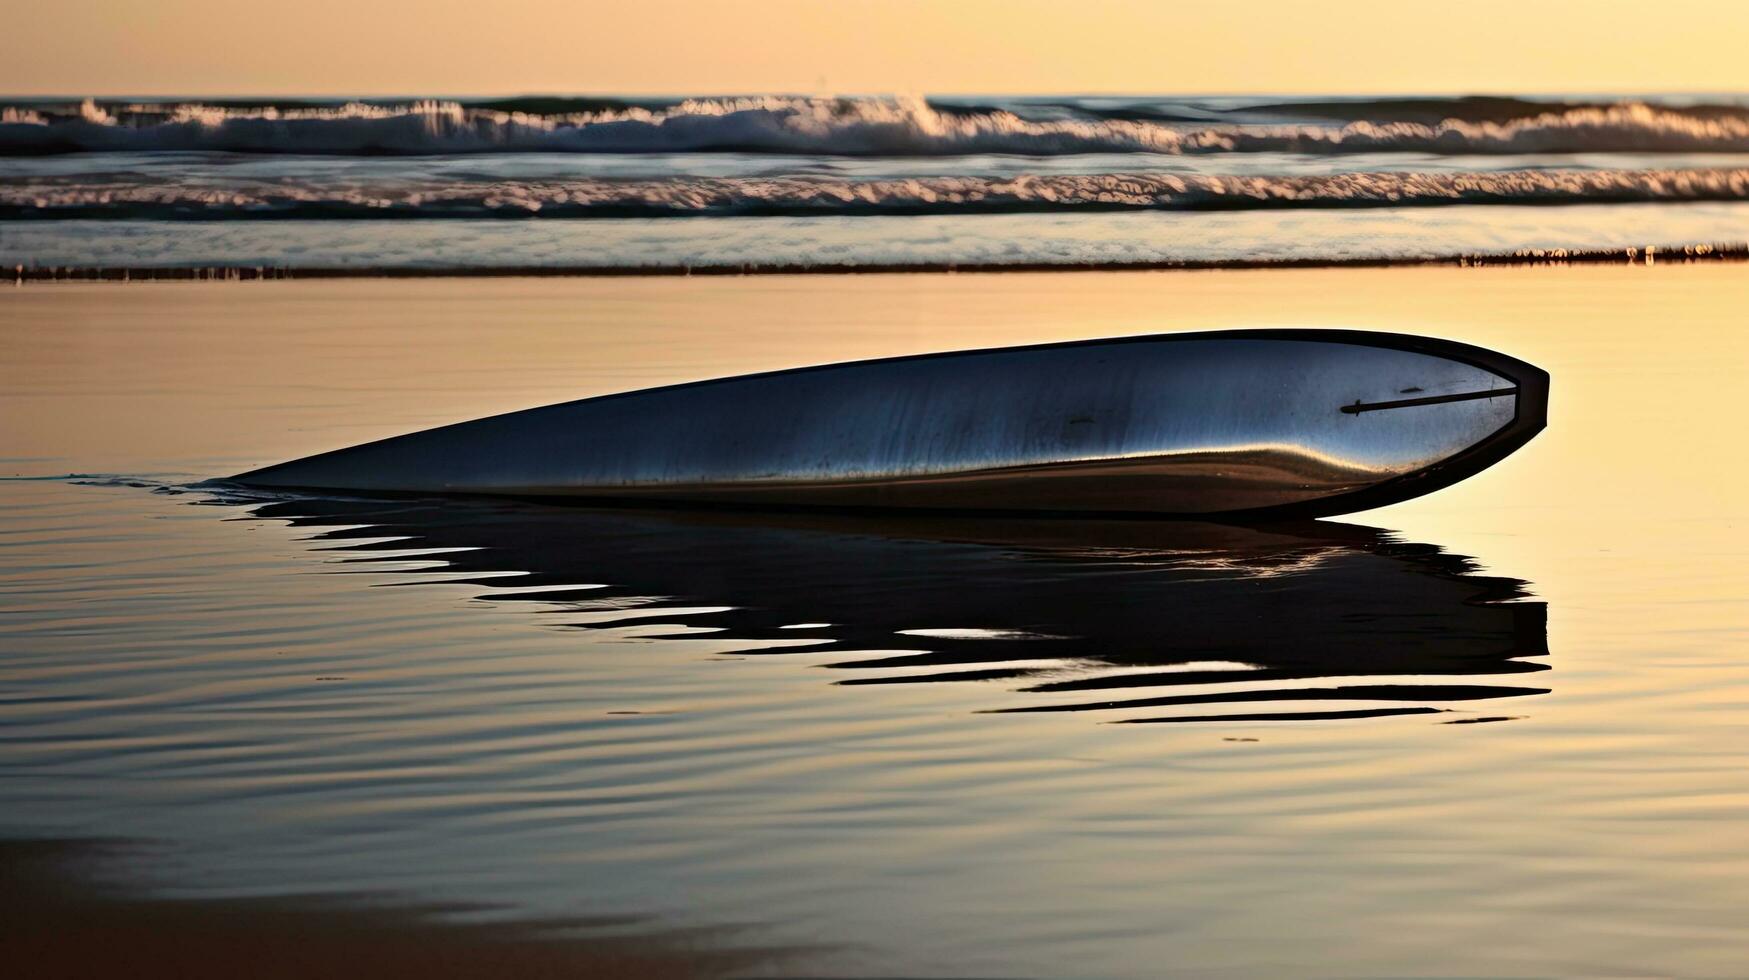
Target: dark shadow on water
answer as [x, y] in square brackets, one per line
[1139, 621]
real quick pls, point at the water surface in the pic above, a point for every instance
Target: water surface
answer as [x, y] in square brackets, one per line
[1496, 731]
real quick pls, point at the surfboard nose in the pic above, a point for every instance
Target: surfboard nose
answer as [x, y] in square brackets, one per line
[1516, 396]
[1501, 378]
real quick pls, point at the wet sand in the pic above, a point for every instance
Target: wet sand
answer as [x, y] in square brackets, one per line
[55, 920]
[1500, 730]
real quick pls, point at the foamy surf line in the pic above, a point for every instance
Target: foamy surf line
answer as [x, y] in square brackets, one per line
[284, 197]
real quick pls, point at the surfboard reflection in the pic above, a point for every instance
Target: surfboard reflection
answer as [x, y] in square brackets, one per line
[1138, 621]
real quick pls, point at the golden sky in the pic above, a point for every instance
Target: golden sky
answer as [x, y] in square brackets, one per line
[457, 47]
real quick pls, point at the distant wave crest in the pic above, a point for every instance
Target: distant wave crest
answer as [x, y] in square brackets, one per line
[803, 196]
[824, 126]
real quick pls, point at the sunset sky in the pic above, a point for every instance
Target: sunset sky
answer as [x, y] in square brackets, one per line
[337, 47]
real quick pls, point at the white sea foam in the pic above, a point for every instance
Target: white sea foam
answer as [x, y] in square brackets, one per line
[826, 126]
[809, 195]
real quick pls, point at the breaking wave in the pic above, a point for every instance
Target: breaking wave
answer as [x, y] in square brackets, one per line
[807, 195]
[859, 127]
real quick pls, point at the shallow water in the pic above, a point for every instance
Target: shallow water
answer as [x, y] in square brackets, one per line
[1399, 235]
[1365, 754]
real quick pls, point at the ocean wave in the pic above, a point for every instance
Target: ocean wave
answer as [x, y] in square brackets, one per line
[804, 196]
[832, 126]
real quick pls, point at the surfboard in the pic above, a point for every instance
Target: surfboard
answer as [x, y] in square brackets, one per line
[1236, 424]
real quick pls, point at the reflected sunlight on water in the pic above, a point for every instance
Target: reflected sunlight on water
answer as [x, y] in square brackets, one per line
[881, 742]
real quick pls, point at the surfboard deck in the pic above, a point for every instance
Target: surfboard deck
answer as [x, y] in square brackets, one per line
[1239, 424]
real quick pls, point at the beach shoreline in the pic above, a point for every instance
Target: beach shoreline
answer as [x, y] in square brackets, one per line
[1726, 252]
[441, 738]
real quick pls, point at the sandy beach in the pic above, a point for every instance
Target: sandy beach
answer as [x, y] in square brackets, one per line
[558, 742]
[789, 488]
